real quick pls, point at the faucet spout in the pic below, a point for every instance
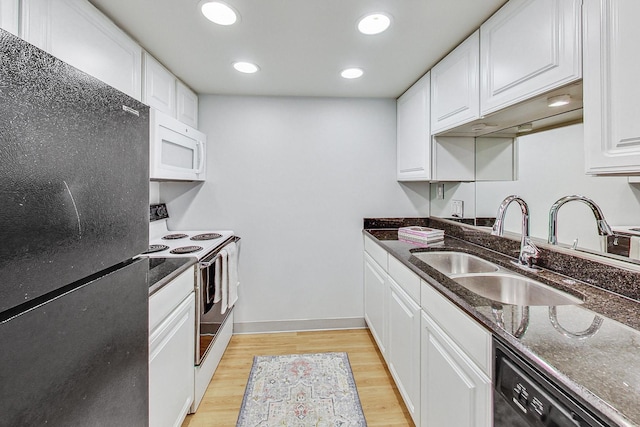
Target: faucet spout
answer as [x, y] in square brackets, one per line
[529, 253]
[603, 227]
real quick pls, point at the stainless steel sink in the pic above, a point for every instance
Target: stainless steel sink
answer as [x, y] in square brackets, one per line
[515, 290]
[451, 263]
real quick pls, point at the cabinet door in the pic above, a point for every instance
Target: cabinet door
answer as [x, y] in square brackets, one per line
[159, 86]
[10, 16]
[171, 366]
[77, 33]
[455, 91]
[375, 301]
[454, 391]
[404, 347]
[611, 86]
[528, 48]
[413, 134]
[187, 105]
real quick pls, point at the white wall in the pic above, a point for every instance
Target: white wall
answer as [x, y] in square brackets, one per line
[464, 191]
[551, 165]
[294, 177]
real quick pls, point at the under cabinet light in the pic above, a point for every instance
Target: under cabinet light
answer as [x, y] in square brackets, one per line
[482, 126]
[218, 12]
[527, 127]
[558, 101]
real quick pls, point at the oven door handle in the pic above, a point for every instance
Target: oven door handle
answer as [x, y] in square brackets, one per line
[207, 264]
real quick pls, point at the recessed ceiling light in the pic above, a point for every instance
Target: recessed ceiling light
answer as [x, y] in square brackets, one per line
[352, 73]
[218, 12]
[245, 67]
[374, 23]
[558, 101]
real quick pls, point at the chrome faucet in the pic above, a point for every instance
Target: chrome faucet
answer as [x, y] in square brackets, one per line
[529, 253]
[603, 227]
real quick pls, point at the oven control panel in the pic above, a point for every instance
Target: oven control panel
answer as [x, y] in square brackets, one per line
[157, 212]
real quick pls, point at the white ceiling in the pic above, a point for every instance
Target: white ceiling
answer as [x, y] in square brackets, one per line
[300, 45]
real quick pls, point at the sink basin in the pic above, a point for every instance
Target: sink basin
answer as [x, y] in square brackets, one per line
[452, 263]
[515, 290]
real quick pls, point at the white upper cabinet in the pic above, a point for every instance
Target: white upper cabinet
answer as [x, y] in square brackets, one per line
[159, 86]
[527, 48]
[611, 86]
[164, 92]
[186, 105]
[413, 134]
[455, 91]
[10, 16]
[79, 34]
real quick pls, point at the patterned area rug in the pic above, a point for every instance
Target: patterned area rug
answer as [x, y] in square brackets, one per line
[301, 390]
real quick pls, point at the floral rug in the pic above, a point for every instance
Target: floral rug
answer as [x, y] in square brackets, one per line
[301, 390]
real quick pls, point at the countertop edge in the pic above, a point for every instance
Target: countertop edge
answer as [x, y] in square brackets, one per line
[161, 283]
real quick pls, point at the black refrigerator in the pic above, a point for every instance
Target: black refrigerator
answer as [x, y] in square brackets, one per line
[74, 213]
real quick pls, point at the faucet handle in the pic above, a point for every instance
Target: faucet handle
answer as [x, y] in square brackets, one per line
[529, 253]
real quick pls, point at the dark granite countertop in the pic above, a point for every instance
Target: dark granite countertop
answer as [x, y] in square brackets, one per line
[602, 370]
[164, 270]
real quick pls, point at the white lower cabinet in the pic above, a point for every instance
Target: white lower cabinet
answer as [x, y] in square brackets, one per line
[172, 351]
[404, 347]
[375, 301]
[439, 357]
[455, 392]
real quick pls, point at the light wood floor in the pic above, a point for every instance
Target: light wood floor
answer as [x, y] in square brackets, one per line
[381, 402]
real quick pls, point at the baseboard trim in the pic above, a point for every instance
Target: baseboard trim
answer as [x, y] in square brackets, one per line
[298, 325]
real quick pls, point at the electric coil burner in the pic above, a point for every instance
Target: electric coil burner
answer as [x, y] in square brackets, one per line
[206, 236]
[155, 248]
[173, 242]
[186, 250]
[174, 236]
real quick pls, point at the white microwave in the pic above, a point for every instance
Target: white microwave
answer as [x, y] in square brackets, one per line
[177, 151]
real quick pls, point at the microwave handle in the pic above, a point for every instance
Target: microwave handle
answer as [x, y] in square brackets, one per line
[200, 148]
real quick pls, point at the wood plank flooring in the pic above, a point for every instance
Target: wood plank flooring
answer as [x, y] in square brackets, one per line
[381, 401]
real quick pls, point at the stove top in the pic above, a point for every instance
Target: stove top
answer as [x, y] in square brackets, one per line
[187, 245]
[165, 243]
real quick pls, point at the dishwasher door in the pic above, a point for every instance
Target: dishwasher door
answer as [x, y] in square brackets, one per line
[523, 397]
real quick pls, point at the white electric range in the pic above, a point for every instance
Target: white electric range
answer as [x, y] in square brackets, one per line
[165, 243]
[214, 324]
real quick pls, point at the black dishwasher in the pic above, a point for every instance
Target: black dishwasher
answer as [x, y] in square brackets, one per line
[523, 397]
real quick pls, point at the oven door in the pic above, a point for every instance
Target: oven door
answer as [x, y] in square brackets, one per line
[210, 316]
[177, 151]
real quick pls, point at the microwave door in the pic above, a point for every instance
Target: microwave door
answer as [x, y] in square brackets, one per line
[177, 151]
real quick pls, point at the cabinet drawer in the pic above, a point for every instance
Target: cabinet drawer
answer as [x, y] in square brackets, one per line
[472, 338]
[169, 297]
[378, 254]
[405, 278]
